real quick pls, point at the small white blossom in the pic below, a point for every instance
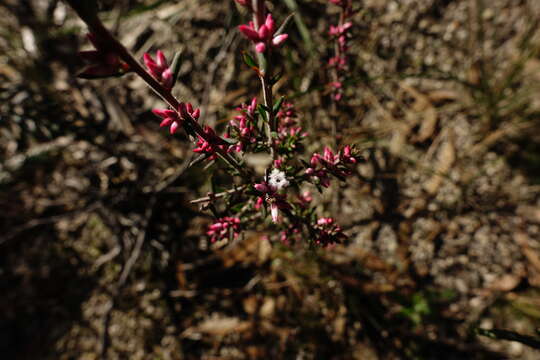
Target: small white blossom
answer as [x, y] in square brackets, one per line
[277, 180]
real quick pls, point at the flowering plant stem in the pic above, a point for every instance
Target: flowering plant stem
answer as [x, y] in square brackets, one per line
[265, 74]
[280, 135]
[96, 27]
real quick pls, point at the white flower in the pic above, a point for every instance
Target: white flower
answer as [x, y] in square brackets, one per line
[277, 180]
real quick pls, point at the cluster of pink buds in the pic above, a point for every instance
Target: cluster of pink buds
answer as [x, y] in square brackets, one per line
[328, 232]
[243, 126]
[341, 33]
[264, 36]
[174, 119]
[287, 115]
[305, 199]
[210, 145]
[102, 62]
[290, 235]
[289, 133]
[340, 60]
[223, 228]
[159, 69]
[270, 193]
[331, 164]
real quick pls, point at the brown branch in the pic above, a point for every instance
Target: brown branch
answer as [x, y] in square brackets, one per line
[98, 29]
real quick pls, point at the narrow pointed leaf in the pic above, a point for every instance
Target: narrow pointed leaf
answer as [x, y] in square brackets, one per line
[284, 24]
[278, 103]
[249, 60]
[175, 67]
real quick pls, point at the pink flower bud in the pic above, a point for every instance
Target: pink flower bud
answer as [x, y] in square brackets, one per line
[167, 78]
[216, 226]
[164, 113]
[259, 203]
[183, 110]
[196, 113]
[152, 67]
[253, 105]
[306, 195]
[244, 2]
[174, 127]
[314, 160]
[280, 39]
[166, 122]
[161, 60]
[261, 187]
[328, 155]
[249, 32]
[260, 47]
[263, 32]
[325, 181]
[270, 24]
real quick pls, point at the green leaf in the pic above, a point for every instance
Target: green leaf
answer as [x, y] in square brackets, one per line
[264, 211]
[207, 166]
[263, 64]
[263, 111]
[278, 104]
[197, 160]
[248, 59]
[175, 67]
[231, 234]
[276, 78]
[300, 24]
[229, 140]
[283, 25]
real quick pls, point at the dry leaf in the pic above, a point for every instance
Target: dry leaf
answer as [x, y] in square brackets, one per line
[505, 283]
[438, 96]
[250, 305]
[218, 326]
[445, 160]
[532, 256]
[268, 308]
[428, 124]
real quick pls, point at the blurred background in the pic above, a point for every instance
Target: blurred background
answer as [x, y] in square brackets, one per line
[103, 257]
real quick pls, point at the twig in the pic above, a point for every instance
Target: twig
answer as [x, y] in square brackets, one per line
[100, 31]
[138, 245]
[218, 195]
[499, 334]
[48, 220]
[126, 271]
